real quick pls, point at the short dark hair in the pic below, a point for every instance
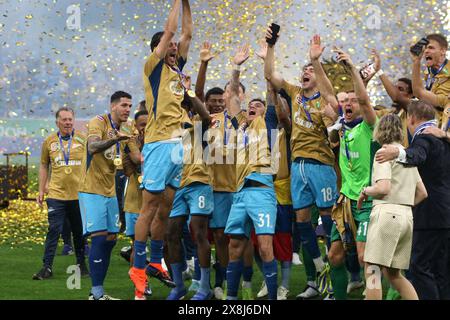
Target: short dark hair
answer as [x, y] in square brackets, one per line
[141, 106]
[240, 84]
[439, 38]
[140, 113]
[421, 110]
[64, 109]
[215, 90]
[119, 95]
[259, 100]
[309, 64]
[156, 39]
[408, 83]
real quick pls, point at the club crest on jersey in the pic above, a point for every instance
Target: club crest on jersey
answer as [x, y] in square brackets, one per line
[54, 146]
[176, 88]
[111, 134]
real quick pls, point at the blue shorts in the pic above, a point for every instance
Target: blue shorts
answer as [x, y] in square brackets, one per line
[194, 199]
[163, 164]
[99, 213]
[222, 207]
[130, 222]
[253, 206]
[313, 183]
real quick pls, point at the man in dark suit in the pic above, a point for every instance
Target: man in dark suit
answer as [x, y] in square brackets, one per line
[429, 270]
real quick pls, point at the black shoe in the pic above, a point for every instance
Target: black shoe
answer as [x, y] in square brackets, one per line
[44, 273]
[123, 227]
[159, 274]
[125, 253]
[84, 271]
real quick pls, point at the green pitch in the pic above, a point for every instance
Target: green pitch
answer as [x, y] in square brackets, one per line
[17, 265]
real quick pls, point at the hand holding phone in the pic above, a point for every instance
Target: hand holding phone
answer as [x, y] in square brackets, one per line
[367, 71]
[275, 28]
[418, 47]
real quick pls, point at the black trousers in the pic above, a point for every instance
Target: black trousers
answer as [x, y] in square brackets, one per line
[430, 270]
[121, 180]
[58, 210]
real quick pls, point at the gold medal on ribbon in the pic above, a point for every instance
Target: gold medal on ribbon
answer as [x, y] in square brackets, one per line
[140, 179]
[67, 170]
[117, 162]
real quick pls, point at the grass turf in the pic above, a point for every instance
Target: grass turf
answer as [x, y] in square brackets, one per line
[18, 264]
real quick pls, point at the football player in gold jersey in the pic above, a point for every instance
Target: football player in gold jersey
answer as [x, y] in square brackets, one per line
[163, 149]
[97, 194]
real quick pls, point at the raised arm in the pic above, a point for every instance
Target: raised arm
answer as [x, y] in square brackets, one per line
[390, 88]
[367, 112]
[419, 90]
[205, 57]
[242, 54]
[187, 28]
[169, 31]
[269, 65]
[323, 83]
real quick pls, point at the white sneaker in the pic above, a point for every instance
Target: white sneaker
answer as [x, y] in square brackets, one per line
[218, 293]
[140, 298]
[309, 292]
[296, 259]
[263, 291]
[329, 296]
[103, 297]
[282, 293]
[354, 285]
[163, 264]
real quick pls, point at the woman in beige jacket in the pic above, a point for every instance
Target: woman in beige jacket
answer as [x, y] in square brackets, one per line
[395, 190]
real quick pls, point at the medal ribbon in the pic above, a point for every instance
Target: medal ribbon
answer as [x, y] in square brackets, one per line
[66, 156]
[115, 128]
[304, 102]
[432, 75]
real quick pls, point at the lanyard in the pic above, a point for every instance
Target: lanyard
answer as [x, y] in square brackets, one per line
[304, 102]
[225, 128]
[66, 156]
[181, 75]
[115, 128]
[345, 127]
[422, 127]
[432, 75]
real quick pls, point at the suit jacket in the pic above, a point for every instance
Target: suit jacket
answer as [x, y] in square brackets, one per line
[432, 157]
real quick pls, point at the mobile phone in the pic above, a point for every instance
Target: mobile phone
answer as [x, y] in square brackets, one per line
[275, 30]
[367, 71]
[418, 47]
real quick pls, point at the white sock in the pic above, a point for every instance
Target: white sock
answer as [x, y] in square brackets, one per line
[319, 264]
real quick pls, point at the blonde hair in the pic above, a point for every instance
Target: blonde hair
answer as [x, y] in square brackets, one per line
[388, 130]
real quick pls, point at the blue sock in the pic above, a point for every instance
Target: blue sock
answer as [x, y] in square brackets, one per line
[234, 272]
[205, 286]
[247, 273]
[308, 238]
[96, 264]
[156, 251]
[108, 246]
[140, 255]
[221, 275]
[197, 271]
[271, 277]
[327, 225]
[285, 273]
[177, 273]
[97, 292]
